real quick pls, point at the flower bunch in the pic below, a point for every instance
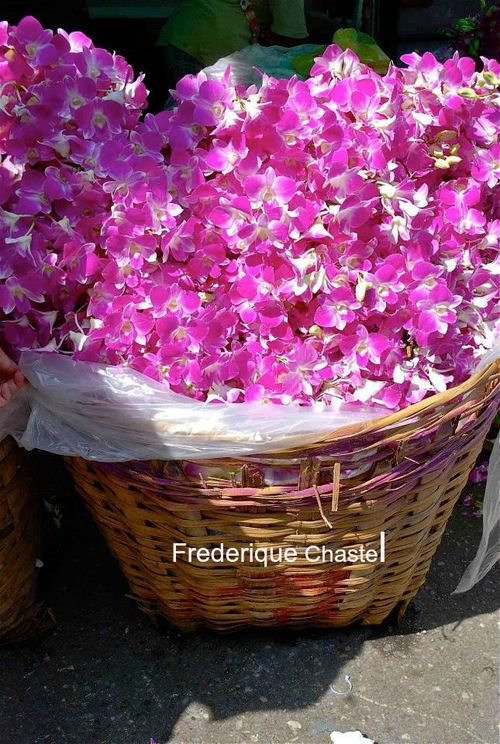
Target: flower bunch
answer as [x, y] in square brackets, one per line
[64, 105]
[334, 238]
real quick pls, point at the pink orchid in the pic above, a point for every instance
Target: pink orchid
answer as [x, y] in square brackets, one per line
[99, 120]
[365, 347]
[437, 312]
[338, 310]
[461, 212]
[269, 187]
[486, 166]
[36, 42]
[127, 325]
[211, 101]
[173, 299]
[16, 293]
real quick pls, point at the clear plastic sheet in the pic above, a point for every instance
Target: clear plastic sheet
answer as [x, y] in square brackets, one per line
[488, 552]
[114, 414]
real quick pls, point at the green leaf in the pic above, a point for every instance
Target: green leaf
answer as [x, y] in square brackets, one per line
[466, 25]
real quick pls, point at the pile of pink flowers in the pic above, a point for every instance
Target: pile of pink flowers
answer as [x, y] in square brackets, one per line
[335, 238]
[64, 105]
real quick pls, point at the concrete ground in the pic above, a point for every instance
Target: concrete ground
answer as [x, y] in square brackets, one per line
[105, 675]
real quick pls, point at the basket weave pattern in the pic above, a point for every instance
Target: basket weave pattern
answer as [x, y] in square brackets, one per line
[401, 474]
[19, 545]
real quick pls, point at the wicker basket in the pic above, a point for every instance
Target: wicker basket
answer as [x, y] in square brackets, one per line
[20, 616]
[401, 474]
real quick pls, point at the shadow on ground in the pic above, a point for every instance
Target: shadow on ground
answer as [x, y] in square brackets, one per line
[106, 676]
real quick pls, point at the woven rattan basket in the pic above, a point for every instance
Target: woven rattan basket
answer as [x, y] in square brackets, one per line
[20, 616]
[401, 474]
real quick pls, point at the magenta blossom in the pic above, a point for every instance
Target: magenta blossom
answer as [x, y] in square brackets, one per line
[338, 310]
[364, 347]
[269, 187]
[437, 312]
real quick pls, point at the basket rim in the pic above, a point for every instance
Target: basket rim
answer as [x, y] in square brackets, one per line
[410, 416]
[489, 373]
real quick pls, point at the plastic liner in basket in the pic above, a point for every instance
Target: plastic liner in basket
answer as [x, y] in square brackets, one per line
[114, 414]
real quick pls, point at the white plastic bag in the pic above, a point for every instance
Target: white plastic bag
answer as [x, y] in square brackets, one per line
[249, 63]
[349, 737]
